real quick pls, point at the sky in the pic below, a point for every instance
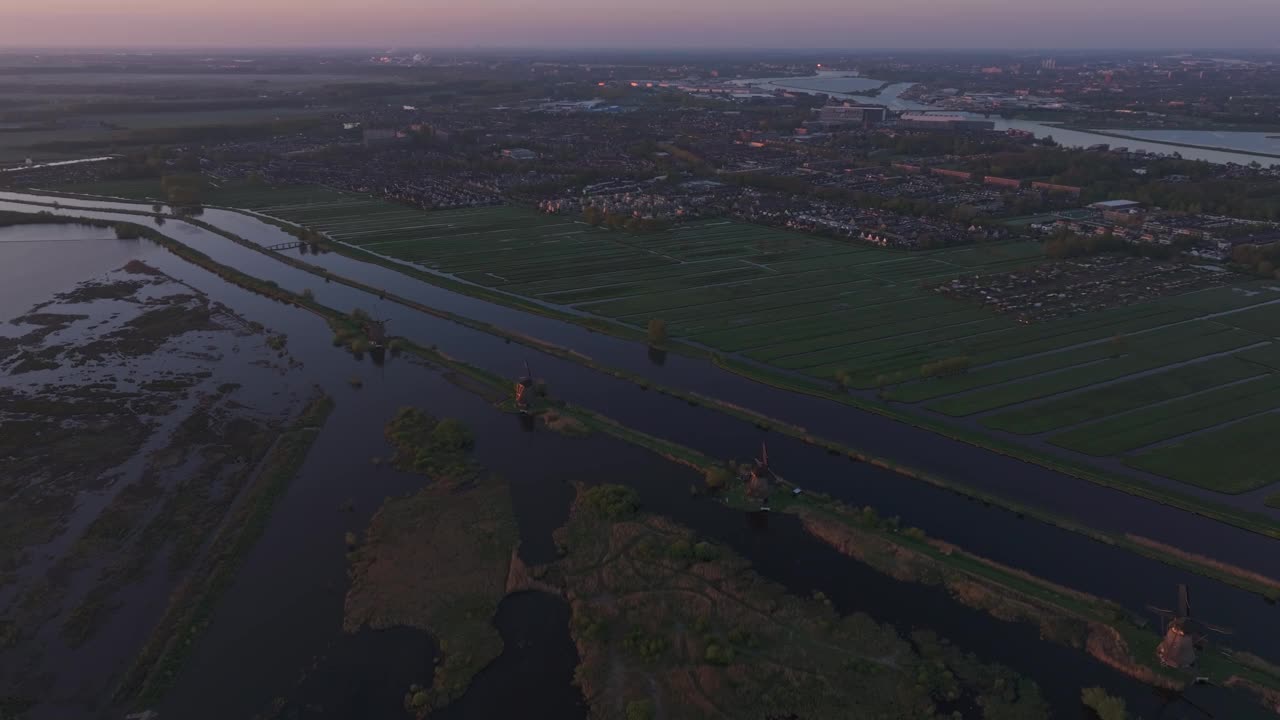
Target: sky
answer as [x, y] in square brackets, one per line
[1182, 24]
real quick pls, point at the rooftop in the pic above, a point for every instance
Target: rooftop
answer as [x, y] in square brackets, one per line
[1115, 204]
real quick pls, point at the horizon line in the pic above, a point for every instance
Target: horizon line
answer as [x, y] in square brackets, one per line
[695, 49]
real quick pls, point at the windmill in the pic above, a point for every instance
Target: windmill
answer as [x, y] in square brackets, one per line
[1184, 636]
[524, 388]
[375, 331]
[761, 477]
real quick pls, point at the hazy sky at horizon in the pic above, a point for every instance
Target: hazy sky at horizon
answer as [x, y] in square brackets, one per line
[643, 23]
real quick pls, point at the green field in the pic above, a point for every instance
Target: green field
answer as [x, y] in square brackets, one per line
[1226, 459]
[793, 300]
[1150, 351]
[111, 128]
[1125, 396]
[1108, 383]
[1153, 424]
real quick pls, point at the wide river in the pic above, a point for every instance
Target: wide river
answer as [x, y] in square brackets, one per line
[840, 85]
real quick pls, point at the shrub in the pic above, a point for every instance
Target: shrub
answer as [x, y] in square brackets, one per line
[640, 710]
[612, 502]
[657, 331]
[452, 436]
[648, 648]
[681, 550]
[717, 477]
[705, 552]
[1106, 706]
[416, 700]
[945, 367]
[717, 655]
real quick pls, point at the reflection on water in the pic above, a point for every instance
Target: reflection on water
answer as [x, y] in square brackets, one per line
[534, 675]
[47, 259]
[363, 675]
[1251, 141]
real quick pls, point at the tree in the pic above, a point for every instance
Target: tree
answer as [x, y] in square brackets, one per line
[705, 552]
[127, 231]
[1119, 345]
[640, 710]
[181, 189]
[613, 502]
[657, 332]
[1104, 705]
[946, 367]
[716, 655]
[717, 477]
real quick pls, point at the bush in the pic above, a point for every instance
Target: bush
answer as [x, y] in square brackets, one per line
[657, 331]
[416, 700]
[612, 502]
[451, 436]
[648, 648]
[425, 445]
[1104, 705]
[717, 477]
[127, 231]
[717, 655]
[589, 627]
[681, 550]
[640, 710]
[945, 367]
[705, 552]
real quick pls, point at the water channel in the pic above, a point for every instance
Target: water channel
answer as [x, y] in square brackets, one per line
[1027, 483]
[284, 611]
[845, 86]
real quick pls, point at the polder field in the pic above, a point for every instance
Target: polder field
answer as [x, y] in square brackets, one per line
[1184, 386]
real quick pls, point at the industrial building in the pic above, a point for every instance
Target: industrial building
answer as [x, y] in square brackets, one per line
[1114, 205]
[834, 116]
[943, 121]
